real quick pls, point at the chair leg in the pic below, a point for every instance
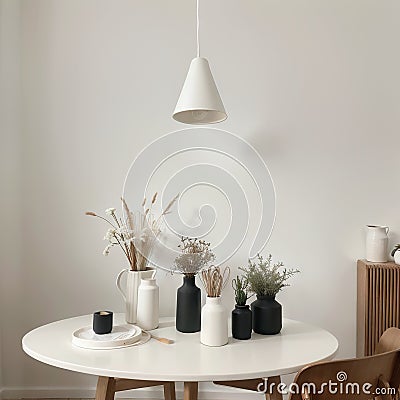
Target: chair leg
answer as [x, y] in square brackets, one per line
[169, 391]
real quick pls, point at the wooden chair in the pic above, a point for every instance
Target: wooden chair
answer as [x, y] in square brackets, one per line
[379, 371]
[389, 341]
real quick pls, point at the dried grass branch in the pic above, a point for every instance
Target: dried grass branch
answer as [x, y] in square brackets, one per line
[214, 280]
[135, 233]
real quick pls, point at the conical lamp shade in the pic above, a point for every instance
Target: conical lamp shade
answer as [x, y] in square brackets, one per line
[199, 102]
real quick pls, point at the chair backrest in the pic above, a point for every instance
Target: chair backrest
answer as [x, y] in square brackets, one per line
[389, 341]
[352, 379]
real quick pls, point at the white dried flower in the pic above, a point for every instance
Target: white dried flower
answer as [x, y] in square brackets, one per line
[130, 240]
[110, 211]
[145, 235]
[106, 251]
[123, 230]
[110, 234]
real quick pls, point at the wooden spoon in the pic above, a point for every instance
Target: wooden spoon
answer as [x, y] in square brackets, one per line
[161, 339]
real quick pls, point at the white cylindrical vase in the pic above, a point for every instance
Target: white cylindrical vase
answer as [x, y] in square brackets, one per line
[130, 291]
[214, 323]
[377, 243]
[148, 305]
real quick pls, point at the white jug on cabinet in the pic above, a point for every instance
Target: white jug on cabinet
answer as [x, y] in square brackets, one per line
[377, 243]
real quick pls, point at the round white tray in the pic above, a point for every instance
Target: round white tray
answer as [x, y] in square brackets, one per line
[121, 336]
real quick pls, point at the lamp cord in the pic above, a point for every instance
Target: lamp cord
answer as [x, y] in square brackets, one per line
[198, 27]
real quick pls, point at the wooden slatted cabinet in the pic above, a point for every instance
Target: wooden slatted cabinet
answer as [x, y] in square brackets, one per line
[378, 303]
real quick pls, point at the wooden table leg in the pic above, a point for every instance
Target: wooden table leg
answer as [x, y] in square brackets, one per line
[190, 390]
[105, 388]
[169, 391]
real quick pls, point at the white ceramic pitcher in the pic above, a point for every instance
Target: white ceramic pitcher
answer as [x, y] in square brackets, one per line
[130, 293]
[377, 243]
[148, 309]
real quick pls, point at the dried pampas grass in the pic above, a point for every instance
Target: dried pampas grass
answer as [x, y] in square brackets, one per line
[214, 280]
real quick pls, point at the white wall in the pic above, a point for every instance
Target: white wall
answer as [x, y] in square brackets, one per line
[312, 84]
[11, 303]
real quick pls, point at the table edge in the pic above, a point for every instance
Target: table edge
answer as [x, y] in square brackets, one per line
[166, 377]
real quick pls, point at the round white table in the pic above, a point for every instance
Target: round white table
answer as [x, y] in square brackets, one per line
[241, 364]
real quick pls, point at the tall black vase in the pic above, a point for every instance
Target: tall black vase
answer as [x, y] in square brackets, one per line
[241, 322]
[188, 306]
[267, 315]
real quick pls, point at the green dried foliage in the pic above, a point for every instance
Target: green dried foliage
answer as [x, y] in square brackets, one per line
[265, 278]
[195, 255]
[240, 286]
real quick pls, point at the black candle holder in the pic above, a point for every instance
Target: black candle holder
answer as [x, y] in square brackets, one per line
[102, 322]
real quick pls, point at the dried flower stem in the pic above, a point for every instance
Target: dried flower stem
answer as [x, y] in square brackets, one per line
[214, 281]
[135, 236]
[92, 214]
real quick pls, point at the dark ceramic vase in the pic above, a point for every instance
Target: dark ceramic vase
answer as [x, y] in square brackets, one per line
[188, 306]
[241, 322]
[267, 315]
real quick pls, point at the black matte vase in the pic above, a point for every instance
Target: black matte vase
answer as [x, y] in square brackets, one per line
[267, 315]
[188, 306]
[241, 322]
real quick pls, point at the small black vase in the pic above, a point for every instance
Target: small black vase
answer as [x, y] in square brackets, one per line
[267, 315]
[241, 322]
[188, 306]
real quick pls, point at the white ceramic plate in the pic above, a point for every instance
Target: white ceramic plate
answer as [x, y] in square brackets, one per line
[144, 339]
[121, 336]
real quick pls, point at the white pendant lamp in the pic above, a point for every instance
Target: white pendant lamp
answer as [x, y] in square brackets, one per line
[199, 102]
